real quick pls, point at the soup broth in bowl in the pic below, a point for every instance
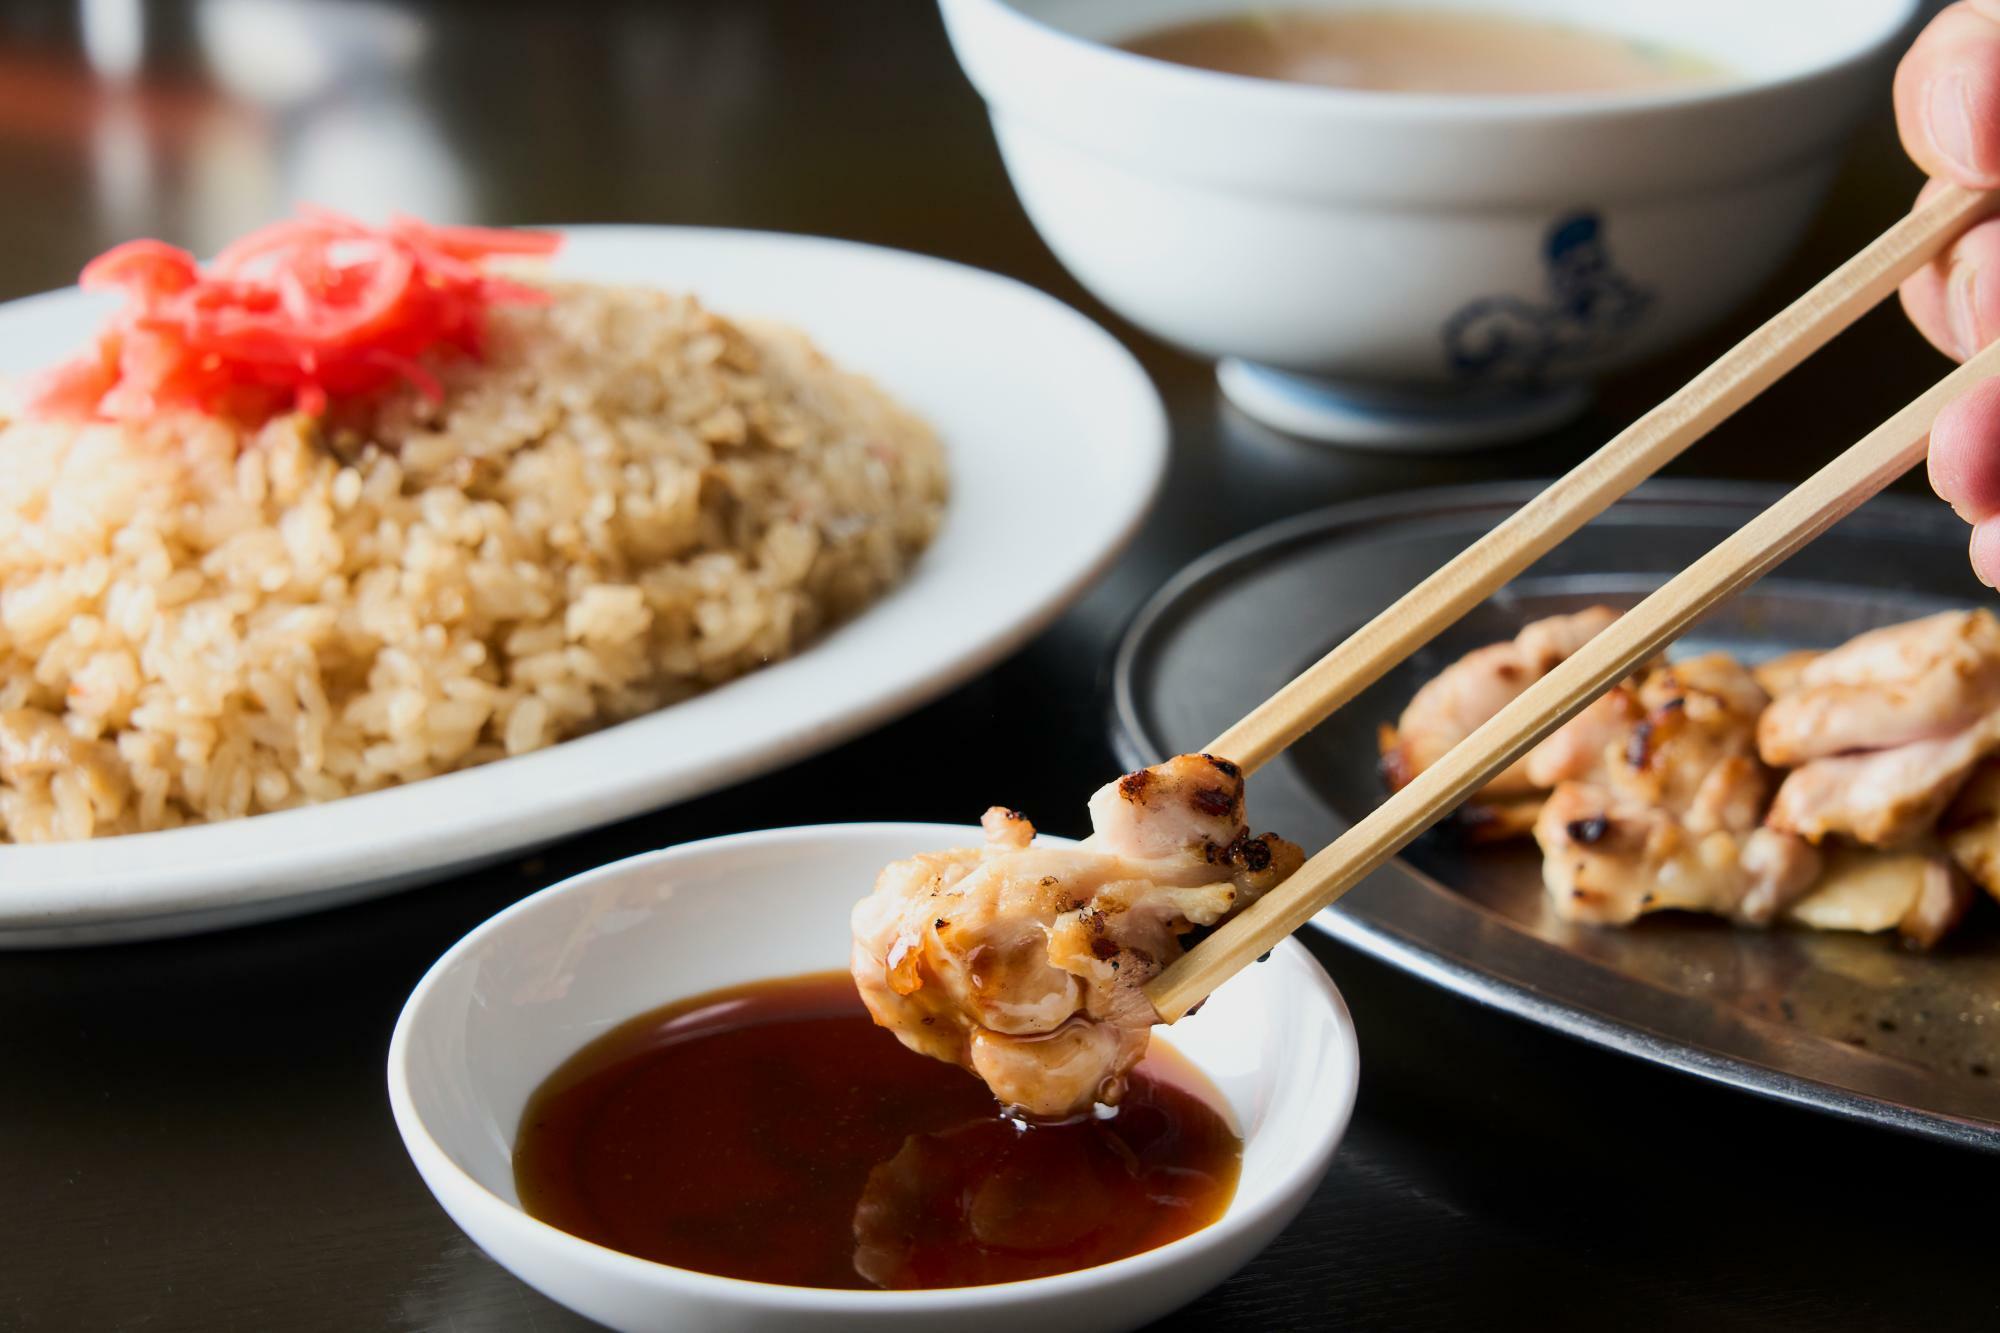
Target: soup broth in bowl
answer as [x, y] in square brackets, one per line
[1425, 51]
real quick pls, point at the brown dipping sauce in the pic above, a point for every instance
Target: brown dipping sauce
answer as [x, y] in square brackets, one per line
[1424, 51]
[773, 1132]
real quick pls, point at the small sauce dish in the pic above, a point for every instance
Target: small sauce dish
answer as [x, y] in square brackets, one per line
[524, 991]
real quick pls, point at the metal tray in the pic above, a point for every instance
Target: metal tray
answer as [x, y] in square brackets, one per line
[1848, 1024]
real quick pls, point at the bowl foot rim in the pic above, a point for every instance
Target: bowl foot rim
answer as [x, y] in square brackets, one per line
[1441, 419]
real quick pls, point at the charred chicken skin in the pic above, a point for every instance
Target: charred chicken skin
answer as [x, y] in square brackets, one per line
[1852, 789]
[1658, 796]
[1027, 964]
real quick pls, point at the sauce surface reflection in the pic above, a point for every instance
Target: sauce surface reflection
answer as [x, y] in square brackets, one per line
[772, 1132]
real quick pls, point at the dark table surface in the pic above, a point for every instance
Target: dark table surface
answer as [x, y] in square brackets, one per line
[194, 1133]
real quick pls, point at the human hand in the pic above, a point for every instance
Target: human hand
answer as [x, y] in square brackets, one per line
[1947, 97]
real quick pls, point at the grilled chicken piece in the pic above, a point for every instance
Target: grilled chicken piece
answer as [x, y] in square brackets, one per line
[1659, 797]
[1917, 891]
[1780, 675]
[1458, 700]
[1970, 827]
[1692, 753]
[1885, 798]
[1680, 737]
[1499, 821]
[1577, 751]
[1660, 787]
[1027, 965]
[1608, 862]
[1922, 680]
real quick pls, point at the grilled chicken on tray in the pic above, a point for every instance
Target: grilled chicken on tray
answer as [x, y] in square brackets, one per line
[1845, 790]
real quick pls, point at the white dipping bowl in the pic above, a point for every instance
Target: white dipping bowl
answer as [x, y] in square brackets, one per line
[524, 991]
[1382, 268]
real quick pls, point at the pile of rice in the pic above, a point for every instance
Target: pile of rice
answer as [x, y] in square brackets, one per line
[630, 500]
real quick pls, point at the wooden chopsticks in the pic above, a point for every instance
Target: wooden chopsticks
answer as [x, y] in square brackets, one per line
[1634, 454]
[1828, 495]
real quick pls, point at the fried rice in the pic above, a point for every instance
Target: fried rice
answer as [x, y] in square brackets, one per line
[628, 500]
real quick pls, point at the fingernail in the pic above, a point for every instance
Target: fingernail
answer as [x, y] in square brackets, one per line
[1956, 507]
[1948, 117]
[1961, 308]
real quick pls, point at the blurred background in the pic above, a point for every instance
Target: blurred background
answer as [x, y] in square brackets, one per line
[194, 120]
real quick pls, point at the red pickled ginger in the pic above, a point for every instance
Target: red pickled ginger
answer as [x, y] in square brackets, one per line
[288, 318]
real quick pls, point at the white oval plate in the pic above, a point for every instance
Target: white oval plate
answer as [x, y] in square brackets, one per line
[1056, 444]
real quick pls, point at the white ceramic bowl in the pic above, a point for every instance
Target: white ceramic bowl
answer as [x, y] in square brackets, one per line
[521, 993]
[1384, 267]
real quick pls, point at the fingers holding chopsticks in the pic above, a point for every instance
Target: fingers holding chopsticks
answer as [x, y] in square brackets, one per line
[1955, 300]
[1947, 98]
[1965, 470]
